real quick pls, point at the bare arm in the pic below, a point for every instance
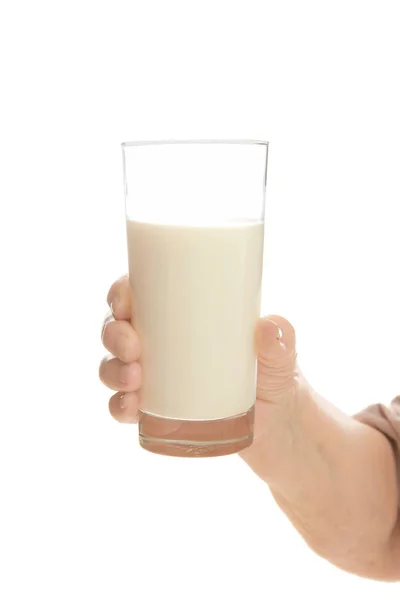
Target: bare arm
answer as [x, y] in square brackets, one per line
[340, 491]
[334, 477]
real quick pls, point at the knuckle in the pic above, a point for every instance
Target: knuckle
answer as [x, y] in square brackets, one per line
[125, 342]
[109, 318]
[103, 368]
[115, 288]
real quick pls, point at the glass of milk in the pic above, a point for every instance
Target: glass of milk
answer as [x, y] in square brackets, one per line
[195, 229]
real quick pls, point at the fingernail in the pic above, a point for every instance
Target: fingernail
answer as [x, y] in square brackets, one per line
[121, 401]
[115, 304]
[126, 414]
[279, 334]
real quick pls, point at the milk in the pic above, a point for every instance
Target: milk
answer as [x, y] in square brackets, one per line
[196, 295]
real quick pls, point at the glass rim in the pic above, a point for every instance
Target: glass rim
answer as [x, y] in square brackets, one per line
[194, 142]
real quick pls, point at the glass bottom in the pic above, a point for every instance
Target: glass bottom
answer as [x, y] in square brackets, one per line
[174, 437]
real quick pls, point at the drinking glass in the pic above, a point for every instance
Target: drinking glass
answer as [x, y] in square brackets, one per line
[195, 230]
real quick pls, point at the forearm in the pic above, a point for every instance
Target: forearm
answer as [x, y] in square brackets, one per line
[337, 484]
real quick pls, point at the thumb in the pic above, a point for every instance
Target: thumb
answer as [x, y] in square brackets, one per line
[277, 368]
[277, 386]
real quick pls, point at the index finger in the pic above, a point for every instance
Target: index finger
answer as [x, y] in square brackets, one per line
[119, 299]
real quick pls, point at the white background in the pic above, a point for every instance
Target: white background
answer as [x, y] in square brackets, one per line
[84, 512]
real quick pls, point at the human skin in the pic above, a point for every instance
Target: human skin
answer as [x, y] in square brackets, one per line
[333, 476]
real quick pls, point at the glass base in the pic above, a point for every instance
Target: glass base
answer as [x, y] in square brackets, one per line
[174, 437]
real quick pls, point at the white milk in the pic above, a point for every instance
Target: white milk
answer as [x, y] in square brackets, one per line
[196, 300]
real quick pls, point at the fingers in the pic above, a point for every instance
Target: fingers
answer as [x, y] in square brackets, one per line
[121, 340]
[119, 371]
[124, 407]
[119, 299]
[120, 376]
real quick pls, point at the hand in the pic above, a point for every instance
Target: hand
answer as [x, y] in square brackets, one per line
[277, 376]
[334, 477]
